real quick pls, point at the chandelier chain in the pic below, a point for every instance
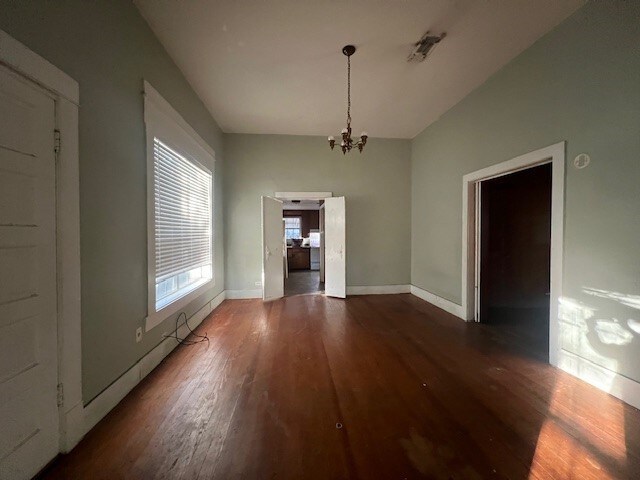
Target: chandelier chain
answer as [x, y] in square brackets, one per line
[348, 91]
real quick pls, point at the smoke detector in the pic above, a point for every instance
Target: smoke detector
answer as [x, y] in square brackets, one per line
[424, 47]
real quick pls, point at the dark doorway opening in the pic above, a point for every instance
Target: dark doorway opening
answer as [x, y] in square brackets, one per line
[515, 257]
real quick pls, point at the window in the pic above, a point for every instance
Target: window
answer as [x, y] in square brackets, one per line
[292, 227]
[179, 211]
[182, 211]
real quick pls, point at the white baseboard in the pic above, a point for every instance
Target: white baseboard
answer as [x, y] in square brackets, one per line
[613, 383]
[378, 289]
[79, 420]
[236, 294]
[443, 303]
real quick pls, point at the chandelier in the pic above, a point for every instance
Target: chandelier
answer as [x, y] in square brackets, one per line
[347, 142]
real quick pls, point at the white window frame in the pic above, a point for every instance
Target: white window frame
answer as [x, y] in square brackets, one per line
[162, 121]
[289, 228]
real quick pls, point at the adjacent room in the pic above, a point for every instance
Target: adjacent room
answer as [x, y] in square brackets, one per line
[319, 240]
[302, 235]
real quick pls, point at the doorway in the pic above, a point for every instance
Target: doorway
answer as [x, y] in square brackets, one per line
[471, 208]
[514, 251]
[303, 247]
[303, 244]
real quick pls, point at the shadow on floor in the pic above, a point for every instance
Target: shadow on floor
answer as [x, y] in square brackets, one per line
[527, 329]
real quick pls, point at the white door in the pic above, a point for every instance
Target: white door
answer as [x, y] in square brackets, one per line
[28, 328]
[272, 249]
[335, 260]
[478, 250]
[321, 221]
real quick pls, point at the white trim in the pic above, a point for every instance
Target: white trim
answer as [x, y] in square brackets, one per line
[68, 267]
[236, 294]
[163, 121]
[100, 406]
[611, 382]
[443, 303]
[152, 97]
[156, 318]
[378, 289]
[303, 195]
[554, 154]
[29, 64]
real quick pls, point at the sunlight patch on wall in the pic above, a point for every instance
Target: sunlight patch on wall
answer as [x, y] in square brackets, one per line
[628, 300]
[574, 341]
[610, 332]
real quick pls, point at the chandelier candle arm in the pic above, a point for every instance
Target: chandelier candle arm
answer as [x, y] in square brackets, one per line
[347, 142]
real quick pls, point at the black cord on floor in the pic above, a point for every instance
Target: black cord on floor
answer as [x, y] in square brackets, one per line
[184, 341]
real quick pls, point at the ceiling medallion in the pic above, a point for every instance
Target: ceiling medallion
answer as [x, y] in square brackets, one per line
[347, 142]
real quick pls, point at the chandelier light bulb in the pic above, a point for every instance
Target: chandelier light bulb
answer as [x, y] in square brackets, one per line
[364, 134]
[331, 138]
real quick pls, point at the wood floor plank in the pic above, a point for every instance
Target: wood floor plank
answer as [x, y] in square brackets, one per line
[372, 387]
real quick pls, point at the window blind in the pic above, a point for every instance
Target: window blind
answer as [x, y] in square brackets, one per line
[182, 223]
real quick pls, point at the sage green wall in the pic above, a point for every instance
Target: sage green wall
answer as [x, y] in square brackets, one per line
[109, 49]
[579, 83]
[376, 185]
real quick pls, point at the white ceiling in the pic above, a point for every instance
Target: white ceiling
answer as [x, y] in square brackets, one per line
[275, 66]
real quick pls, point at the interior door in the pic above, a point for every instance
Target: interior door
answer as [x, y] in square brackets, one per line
[335, 261]
[321, 227]
[28, 325]
[478, 250]
[272, 249]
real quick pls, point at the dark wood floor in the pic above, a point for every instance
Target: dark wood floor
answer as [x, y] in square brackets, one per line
[302, 282]
[374, 387]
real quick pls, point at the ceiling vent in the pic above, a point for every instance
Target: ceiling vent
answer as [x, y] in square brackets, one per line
[423, 48]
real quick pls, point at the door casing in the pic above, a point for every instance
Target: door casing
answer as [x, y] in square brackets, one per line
[554, 154]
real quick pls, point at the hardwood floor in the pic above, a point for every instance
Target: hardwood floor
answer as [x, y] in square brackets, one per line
[374, 387]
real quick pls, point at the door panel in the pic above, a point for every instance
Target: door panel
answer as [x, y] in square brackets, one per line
[322, 243]
[272, 249]
[28, 330]
[335, 262]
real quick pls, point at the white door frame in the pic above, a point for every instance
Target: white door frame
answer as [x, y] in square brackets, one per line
[302, 195]
[66, 93]
[554, 154]
[307, 196]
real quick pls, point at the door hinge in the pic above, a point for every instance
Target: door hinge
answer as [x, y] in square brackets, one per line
[56, 142]
[60, 397]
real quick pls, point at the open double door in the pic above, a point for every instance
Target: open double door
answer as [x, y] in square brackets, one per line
[274, 248]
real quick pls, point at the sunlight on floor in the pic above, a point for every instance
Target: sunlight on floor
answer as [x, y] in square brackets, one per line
[566, 439]
[567, 434]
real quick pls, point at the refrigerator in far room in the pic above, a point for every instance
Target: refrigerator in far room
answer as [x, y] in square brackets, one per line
[314, 244]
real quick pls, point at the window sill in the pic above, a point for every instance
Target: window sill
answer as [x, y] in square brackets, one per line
[156, 318]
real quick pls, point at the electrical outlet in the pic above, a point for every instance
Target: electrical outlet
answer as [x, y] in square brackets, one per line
[138, 334]
[258, 284]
